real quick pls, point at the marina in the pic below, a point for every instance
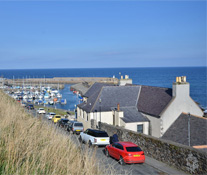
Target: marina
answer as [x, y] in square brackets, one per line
[45, 96]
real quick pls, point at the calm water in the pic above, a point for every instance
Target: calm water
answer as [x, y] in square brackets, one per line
[162, 77]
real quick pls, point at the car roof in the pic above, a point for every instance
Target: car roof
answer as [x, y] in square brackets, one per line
[97, 131]
[52, 113]
[57, 115]
[126, 144]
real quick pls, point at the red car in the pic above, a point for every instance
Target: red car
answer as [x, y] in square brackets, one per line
[125, 152]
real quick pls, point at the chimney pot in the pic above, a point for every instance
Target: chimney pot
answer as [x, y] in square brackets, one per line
[118, 107]
[176, 79]
[184, 78]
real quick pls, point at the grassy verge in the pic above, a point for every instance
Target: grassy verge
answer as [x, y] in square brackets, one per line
[29, 146]
[57, 111]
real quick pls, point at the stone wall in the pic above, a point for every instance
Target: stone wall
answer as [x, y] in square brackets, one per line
[180, 156]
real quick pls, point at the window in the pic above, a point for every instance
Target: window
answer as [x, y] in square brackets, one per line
[78, 124]
[140, 128]
[101, 134]
[119, 146]
[133, 149]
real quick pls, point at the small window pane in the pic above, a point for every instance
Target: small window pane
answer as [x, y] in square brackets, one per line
[140, 128]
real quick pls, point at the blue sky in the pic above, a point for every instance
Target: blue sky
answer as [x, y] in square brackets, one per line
[94, 34]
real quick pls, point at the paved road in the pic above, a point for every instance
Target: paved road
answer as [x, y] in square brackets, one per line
[151, 166]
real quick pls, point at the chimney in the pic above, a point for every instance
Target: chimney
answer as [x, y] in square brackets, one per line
[118, 107]
[181, 88]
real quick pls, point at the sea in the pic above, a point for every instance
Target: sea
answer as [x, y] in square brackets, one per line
[161, 77]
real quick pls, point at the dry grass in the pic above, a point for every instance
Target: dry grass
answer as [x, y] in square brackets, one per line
[28, 146]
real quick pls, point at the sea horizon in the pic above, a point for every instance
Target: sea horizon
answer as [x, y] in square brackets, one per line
[108, 67]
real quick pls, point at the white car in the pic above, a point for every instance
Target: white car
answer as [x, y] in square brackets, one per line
[41, 111]
[94, 137]
[50, 115]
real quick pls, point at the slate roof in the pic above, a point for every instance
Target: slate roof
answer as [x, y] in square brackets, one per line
[80, 87]
[153, 100]
[178, 131]
[96, 87]
[131, 114]
[147, 99]
[90, 102]
[110, 96]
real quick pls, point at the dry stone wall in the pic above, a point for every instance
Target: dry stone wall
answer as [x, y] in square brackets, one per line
[182, 157]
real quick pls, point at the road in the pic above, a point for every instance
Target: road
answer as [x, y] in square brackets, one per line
[151, 166]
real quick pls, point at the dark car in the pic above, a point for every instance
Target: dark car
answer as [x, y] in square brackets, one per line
[30, 106]
[63, 122]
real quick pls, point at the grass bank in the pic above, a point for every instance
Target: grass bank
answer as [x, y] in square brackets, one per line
[51, 109]
[29, 146]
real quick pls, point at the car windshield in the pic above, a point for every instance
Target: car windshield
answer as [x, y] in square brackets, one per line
[102, 134]
[78, 124]
[58, 117]
[133, 149]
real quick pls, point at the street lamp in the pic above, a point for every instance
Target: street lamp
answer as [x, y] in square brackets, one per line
[100, 112]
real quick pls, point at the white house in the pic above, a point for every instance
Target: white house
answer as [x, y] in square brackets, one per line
[115, 105]
[146, 109]
[162, 106]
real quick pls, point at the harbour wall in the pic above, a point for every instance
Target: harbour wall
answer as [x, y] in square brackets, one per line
[182, 157]
[61, 80]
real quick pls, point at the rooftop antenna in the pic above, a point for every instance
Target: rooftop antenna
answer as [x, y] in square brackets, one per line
[188, 129]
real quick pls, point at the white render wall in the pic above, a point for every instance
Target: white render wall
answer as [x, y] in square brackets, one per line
[105, 117]
[154, 124]
[181, 102]
[133, 126]
[123, 82]
[82, 117]
[118, 115]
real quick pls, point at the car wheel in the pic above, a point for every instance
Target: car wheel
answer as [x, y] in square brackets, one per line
[107, 153]
[80, 140]
[89, 144]
[121, 161]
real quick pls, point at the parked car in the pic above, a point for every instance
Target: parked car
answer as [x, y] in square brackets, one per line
[56, 118]
[41, 111]
[63, 122]
[75, 127]
[125, 152]
[94, 137]
[23, 104]
[30, 106]
[50, 115]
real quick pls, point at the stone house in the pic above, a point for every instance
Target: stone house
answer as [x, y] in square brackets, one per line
[146, 109]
